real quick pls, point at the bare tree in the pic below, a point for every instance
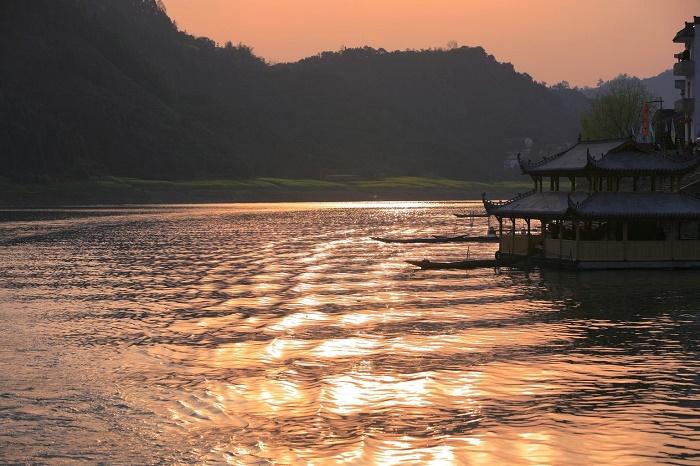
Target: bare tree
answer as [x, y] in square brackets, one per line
[616, 110]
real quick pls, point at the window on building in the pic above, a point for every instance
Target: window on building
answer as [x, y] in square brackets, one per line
[645, 231]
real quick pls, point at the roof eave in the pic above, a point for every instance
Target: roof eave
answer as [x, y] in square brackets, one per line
[631, 216]
[643, 172]
[538, 215]
[559, 172]
[684, 35]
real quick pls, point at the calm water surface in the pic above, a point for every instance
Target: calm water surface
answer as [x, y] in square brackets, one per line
[281, 334]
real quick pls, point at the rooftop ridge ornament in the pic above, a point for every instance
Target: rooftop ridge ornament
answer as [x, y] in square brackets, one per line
[493, 204]
[524, 165]
[590, 160]
[550, 157]
[488, 204]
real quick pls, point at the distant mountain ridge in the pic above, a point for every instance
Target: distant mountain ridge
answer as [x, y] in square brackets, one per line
[661, 85]
[93, 87]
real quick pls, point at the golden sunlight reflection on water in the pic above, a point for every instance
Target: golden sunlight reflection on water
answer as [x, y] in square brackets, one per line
[281, 334]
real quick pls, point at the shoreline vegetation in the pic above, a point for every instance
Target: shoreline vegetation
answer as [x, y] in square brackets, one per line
[116, 190]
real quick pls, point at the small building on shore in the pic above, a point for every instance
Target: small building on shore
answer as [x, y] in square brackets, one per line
[604, 205]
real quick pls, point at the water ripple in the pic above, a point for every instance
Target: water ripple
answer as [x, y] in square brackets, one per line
[281, 334]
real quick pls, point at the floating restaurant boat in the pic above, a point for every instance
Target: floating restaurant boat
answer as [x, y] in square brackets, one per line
[612, 204]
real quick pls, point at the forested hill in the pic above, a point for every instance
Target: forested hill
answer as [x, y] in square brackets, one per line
[113, 87]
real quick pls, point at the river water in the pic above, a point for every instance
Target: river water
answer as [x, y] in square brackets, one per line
[282, 334]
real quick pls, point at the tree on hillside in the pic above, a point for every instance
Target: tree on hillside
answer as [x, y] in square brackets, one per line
[128, 94]
[616, 110]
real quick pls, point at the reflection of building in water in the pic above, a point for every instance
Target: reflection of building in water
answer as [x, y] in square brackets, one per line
[605, 204]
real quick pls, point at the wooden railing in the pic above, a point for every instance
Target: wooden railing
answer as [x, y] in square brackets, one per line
[520, 245]
[560, 249]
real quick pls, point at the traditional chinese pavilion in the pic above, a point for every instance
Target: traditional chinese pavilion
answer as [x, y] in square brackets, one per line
[604, 204]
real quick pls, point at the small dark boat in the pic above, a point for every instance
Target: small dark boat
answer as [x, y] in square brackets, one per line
[440, 239]
[472, 215]
[425, 264]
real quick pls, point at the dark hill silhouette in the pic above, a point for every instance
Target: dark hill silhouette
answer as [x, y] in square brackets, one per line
[96, 87]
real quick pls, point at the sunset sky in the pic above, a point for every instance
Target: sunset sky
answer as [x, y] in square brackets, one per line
[552, 40]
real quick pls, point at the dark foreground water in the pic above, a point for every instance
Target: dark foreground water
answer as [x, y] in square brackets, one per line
[256, 334]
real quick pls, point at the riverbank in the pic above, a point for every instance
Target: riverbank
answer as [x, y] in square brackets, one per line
[114, 190]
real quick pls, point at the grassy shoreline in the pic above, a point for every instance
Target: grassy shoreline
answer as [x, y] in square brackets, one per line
[114, 190]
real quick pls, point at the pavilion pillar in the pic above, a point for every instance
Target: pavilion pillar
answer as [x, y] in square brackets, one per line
[573, 184]
[528, 236]
[577, 228]
[560, 224]
[674, 234]
[500, 234]
[634, 183]
[625, 235]
[512, 236]
[607, 230]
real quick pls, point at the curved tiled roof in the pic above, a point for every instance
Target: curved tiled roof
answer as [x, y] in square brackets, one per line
[535, 205]
[600, 205]
[637, 205]
[618, 155]
[575, 158]
[634, 161]
[686, 33]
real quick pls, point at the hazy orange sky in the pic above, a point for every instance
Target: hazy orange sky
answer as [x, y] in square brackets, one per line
[552, 40]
